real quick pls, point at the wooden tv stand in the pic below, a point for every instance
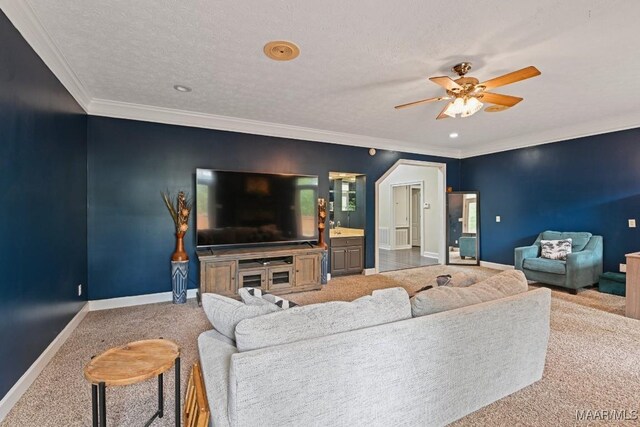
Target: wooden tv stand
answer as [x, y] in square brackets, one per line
[276, 269]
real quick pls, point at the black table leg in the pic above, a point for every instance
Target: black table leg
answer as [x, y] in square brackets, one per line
[160, 396]
[177, 369]
[94, 404]
[103, 405]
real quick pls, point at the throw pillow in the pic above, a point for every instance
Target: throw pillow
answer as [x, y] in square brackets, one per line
[255, 296]
[445, 298]
[442, 280]
[462, 280]
[252, 296]
[555, 249]
[225, 313]
[280, 302]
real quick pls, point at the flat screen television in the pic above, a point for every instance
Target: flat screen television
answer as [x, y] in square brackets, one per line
[245, 208]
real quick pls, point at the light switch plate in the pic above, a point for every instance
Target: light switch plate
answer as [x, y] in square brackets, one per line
[623, 268]
[632, 223]
[497, 218]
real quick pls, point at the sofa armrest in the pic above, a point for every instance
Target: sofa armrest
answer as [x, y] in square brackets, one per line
[215, 359]
[523, 253]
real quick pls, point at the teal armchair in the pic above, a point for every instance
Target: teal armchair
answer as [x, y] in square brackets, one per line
[582, 267]
[467, 247]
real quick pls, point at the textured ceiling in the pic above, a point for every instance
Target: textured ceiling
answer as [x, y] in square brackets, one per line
[358, 60]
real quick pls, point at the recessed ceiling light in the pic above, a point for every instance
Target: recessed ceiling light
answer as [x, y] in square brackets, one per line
[182, 88]
[281, 50]
[453, 135]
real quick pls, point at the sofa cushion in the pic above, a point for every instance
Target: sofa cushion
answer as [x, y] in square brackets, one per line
[554, 266]
[317, 320]
[225, 313]
[555, 249]
[445, 298]
[579, 239]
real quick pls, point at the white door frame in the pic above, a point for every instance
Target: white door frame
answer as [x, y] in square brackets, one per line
[442, 183]
[420, 213]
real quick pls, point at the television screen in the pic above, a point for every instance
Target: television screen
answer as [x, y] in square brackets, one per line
[238, 208]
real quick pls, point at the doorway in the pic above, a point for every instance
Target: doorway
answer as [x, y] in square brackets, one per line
[410, 216]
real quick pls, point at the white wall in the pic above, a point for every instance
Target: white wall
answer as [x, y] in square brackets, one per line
[432, 217]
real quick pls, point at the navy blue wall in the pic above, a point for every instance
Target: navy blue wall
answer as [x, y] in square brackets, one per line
[587, 184]
[43, 216]
[130, 162]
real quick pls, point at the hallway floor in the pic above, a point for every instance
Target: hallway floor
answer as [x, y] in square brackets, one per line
[403, 258]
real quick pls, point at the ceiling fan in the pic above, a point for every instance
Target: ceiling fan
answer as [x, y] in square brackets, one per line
[467, 95]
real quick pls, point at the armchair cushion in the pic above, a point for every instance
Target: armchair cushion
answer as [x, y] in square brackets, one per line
[546, 265]
[579, 239]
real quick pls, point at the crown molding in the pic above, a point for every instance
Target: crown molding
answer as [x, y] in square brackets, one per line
[148, 113]
[22, 16]
[581, 130]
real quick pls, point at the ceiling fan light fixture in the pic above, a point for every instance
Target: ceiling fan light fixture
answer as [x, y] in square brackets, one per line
[472, 106]
[464, 107]
[455, 108]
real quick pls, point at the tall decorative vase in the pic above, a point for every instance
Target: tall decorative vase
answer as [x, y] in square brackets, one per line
[179, 271]
[179, 281]
[324, 261]
[179, 254]
[324, 267]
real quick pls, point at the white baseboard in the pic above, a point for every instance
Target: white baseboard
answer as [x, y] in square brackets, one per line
[435, 255]
[399, 247]
[369, 271]
[385, 247]
[106, 304]
[496, 266]
[25, 381]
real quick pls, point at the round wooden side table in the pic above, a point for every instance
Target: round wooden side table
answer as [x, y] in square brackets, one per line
[130, 364]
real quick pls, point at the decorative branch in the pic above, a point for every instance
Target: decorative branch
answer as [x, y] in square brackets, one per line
[180, 211]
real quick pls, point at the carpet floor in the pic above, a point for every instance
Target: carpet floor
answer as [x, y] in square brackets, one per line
[593, 362]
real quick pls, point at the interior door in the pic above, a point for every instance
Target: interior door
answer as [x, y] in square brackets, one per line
[401, 205]
[416, 218]
[401, 211]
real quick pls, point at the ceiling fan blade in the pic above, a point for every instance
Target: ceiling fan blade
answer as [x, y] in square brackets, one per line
[496, 98]
[516, 76]
[422, 101]
[442, 115]
[446, 83]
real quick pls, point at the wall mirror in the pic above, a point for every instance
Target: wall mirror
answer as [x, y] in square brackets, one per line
[463, 228]
[347, 200]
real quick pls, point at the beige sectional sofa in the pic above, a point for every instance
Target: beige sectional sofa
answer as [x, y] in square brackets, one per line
[390, 370]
